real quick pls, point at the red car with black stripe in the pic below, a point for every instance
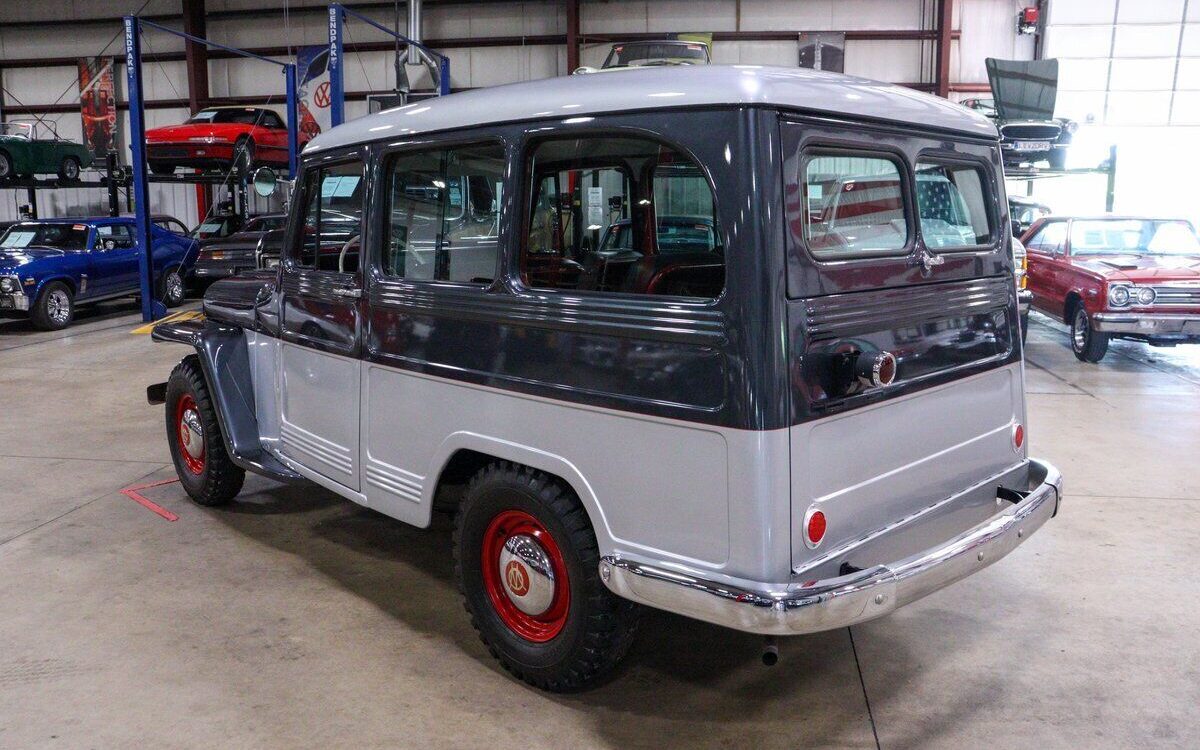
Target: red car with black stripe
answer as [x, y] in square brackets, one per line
[220, 138]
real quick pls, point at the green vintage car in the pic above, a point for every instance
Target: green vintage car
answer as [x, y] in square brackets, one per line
[23, 152]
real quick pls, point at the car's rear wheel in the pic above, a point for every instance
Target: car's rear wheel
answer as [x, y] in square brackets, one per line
[194, 436]
[69, 169]
[6, 166]
[173, 290]
[1088, 344]
[158, 167]
[527, 564]
[54, 308]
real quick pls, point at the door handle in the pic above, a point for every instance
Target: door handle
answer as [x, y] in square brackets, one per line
[350, 293]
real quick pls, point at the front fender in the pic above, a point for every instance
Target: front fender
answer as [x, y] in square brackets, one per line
[225, 361]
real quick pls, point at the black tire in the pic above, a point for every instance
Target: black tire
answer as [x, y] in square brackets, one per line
[172, 289]
[596, 628]
[54, 308]
[1088, 344]
[243, 155]
[6, 166]
[212, 478]
[69, 169]
[1024, 327]
[158, 167]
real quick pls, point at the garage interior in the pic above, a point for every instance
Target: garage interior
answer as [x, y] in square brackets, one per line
[295, 618]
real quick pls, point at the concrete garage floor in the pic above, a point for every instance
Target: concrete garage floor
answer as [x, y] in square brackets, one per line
[295, 619]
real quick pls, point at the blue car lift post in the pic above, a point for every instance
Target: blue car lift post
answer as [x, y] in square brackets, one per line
[152, 309]
[337, 59]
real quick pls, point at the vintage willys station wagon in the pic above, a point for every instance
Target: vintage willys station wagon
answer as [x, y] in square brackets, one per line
[801, 424]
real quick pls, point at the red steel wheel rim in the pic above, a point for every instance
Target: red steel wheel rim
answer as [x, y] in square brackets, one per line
[194, 464]
[535, 628]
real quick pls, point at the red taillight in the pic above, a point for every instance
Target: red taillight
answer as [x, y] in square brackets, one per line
[1018, 436]
[814, 528]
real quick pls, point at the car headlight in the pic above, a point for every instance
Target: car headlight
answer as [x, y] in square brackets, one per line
[1118, 296]
[9, 285]
[1071, 127]
[1146, 296]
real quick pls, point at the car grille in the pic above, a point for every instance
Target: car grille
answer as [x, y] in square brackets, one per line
[1177, 295]
[1031, 131]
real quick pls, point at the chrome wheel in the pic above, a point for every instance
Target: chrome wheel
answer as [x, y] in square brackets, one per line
[1080, 330]
[173, 288]
[70, 169]
[58, 306]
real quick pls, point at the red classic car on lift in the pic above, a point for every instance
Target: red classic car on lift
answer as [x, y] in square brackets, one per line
[1115, 276]
[218, 138]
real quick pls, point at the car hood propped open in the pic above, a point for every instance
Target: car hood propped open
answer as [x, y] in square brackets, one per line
[1023, 89]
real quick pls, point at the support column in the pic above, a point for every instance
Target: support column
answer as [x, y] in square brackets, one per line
[196, 57]
[945, 30]
[572, 35]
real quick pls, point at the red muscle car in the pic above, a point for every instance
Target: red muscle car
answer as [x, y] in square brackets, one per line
[1115, 276]
[220, 138]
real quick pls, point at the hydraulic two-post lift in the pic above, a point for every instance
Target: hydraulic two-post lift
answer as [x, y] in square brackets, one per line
[151, 307]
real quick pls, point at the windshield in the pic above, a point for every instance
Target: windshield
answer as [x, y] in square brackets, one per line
[1133, 237]
[244, 116]
[657, 53]
[265, 224]
[61, 236]
[675, 235]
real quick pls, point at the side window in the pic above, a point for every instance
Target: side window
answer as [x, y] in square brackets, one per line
[119, 234]
[853, 206]
[1050, 239]
[443, 210]
[620, 214]
[952, 204]
[272, 120]
[331, 219]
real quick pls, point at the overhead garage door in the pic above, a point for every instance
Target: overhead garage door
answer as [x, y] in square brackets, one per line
[1127, 62]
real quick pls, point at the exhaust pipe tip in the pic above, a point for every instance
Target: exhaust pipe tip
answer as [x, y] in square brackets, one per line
[770, 653]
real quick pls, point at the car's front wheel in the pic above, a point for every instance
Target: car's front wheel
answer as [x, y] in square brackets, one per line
[527, 563]
[1088, 344]
[194, 436]
[54, 308]
[69, 169]
[6, 166]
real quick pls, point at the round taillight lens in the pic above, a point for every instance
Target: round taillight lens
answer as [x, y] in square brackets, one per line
[1018, 436]
[814, 528]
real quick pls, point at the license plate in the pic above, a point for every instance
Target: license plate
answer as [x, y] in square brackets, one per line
[1031, 146]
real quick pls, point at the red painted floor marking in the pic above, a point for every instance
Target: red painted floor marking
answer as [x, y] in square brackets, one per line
[135, 495]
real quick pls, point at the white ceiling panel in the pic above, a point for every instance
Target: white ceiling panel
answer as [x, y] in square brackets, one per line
[1082, 11]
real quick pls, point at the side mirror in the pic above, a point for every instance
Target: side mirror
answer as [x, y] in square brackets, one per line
[265, 181]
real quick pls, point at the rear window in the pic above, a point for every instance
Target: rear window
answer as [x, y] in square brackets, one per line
[853, 206]
[952, 204]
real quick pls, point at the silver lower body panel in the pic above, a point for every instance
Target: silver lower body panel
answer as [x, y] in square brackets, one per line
[807, 606]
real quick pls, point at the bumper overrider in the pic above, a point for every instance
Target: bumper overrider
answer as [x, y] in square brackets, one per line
[1148, 324]
[1024, 301]
[811, 606]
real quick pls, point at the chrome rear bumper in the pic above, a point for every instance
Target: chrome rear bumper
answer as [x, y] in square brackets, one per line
[812, 606]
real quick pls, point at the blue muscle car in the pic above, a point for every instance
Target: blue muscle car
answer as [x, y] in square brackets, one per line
[49, 267]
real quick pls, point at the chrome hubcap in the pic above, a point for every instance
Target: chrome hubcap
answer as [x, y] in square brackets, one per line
[527, 574]
[174, 286]
[191, 434]
[58, 306]
[1079, 332]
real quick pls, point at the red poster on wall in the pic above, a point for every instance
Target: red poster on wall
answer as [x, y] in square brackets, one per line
[98, 105]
